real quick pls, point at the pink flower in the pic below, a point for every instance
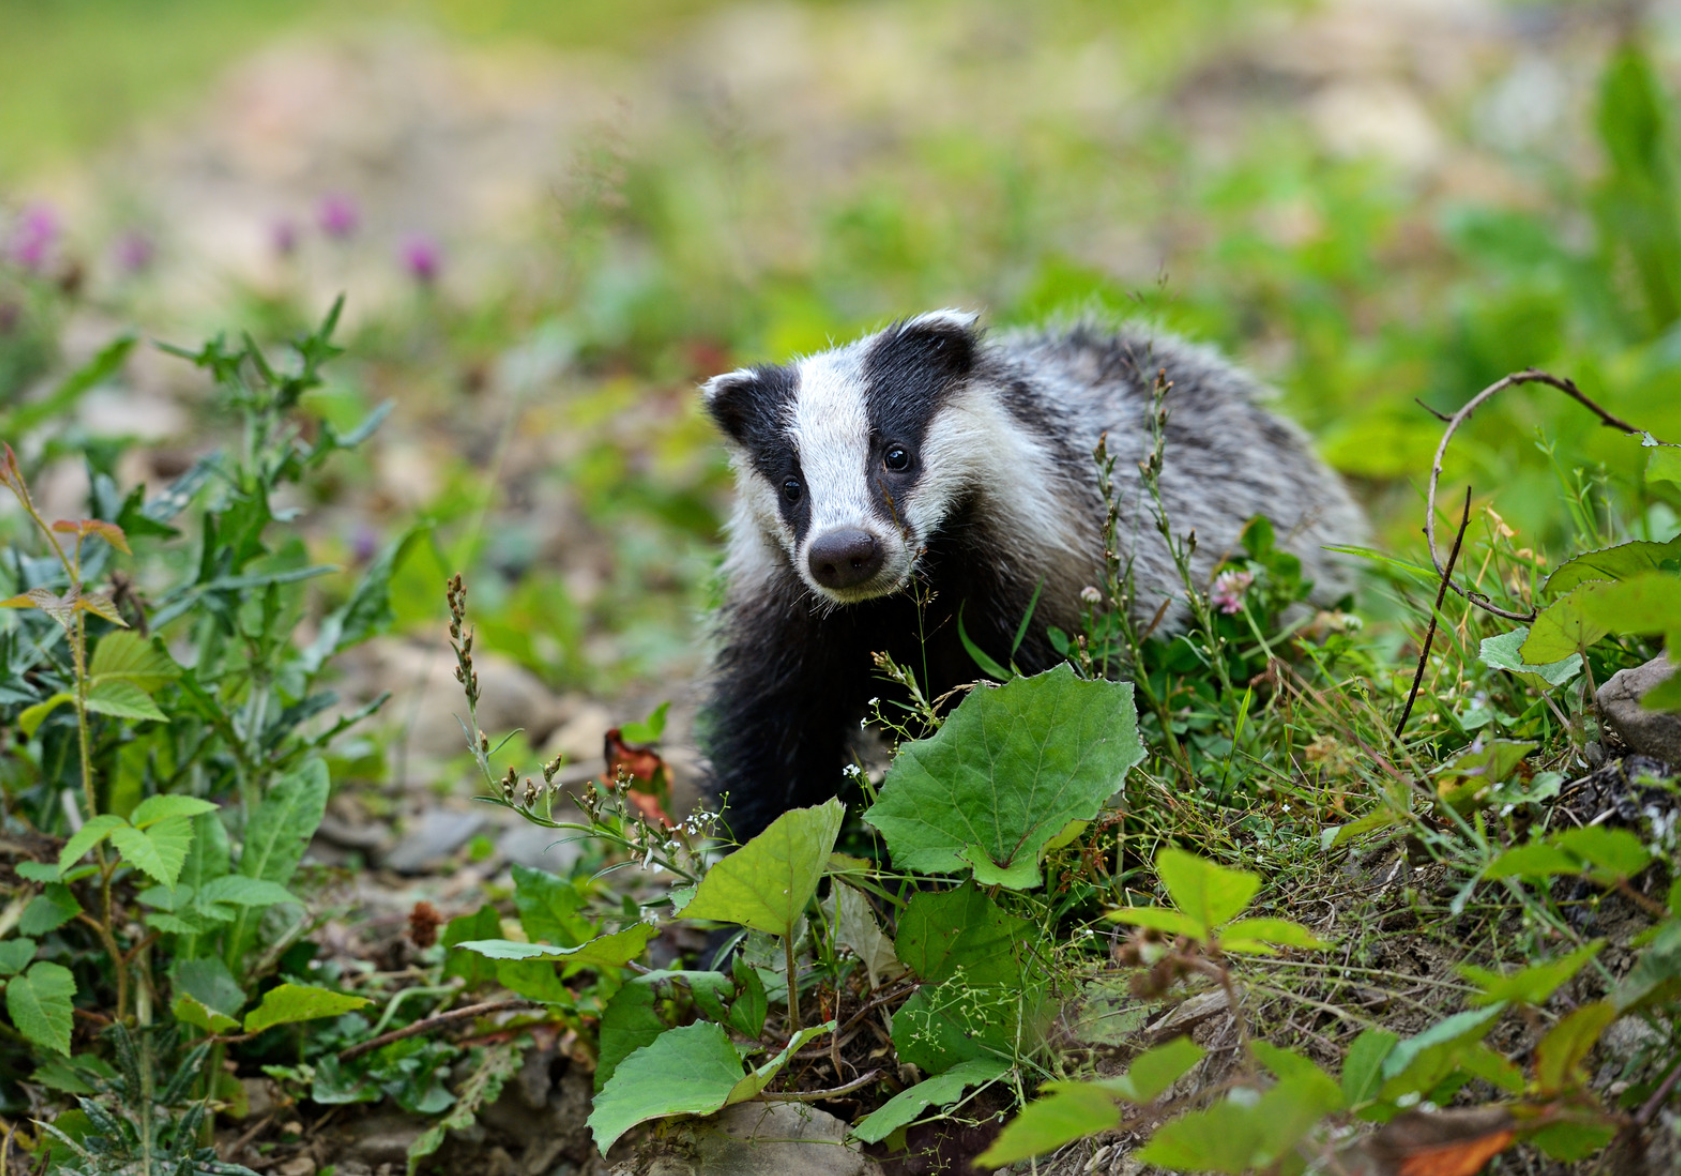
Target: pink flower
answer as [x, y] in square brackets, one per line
[337, 215]
[1229, 588]
[33, 238]
[283, 235]
[422, 258]
[133, 252]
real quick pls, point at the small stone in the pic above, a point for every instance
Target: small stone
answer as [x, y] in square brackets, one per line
[434, 836]
[1646, 732]
[538, 848]
[297, 1166]
[751, 1139]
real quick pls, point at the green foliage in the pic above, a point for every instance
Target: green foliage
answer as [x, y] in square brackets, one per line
[939, 1091]
[767, 883]
[1006, 773]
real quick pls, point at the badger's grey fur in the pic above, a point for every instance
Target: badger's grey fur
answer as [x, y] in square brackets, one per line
[928, 451]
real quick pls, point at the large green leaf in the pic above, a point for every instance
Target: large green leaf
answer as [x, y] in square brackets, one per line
[159, 851]
[123, 700]
[470, 966]
[767, 883]
[1649, 602]
[96, 829]
[548, 907]
[132, 658]
[940, 1091]
[1206, 891]
[962, 932]
[1664, 465]
[687, 1071]
[1622, 562]
[39, 1002]
[299, 1002]
[1502, 653]
[284, 822]
[1068, 1111]
[1007, 772]
[155, 808]
[1154, 1070]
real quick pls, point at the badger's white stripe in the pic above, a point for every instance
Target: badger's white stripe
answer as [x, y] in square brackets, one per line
[960, 320]
[830, 427]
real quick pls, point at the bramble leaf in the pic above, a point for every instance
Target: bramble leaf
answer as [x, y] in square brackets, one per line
[290, 1003]
[39, 1002]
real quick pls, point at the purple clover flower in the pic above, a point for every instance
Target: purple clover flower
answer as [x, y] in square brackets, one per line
[134, 252]
[338, 215]
[1229, 588]
[34, 236]
[422, 258]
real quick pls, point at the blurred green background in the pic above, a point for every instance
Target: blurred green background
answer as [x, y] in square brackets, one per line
[552, 220]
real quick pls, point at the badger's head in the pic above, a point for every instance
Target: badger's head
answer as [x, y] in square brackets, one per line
[851, 459]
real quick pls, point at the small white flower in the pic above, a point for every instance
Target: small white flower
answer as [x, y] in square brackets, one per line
[1091, 595]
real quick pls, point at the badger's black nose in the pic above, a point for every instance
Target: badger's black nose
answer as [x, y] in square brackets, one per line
[844, 558]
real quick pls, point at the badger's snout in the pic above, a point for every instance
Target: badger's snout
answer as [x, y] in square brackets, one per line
[844, 558]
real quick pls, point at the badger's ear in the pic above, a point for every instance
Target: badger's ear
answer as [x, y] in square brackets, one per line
[739, 401]
[945, 340]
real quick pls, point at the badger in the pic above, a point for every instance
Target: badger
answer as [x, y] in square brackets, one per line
[886, 484]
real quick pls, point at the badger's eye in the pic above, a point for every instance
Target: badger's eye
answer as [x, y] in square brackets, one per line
[896, 458]
[791, 489]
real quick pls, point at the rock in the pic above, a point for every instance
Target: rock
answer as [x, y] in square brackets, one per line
[749, 1139]
[297, 1166]
[261, 1097]
[1646, 732]
[582, 737]
[1187, 1013]
[382, 1139]
[433, 837]
[538, 848]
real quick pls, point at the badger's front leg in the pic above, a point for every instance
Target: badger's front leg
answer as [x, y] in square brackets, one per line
[788, 686]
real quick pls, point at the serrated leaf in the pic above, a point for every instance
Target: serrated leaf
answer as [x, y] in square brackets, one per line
[290, 1003]
[939, 1091]
[15, 955]
[1154, 1070]
[238, 890]
[49, 910]
[192, 1011]
[1622, 562]
[686, 1071]
[1567, 1044]
[38, 871]
[1206, 891]
[1007, 772]
[284, 822]
[1531, 985]
[767, 883]
[96, 829]
[129, 656]
[123, 700]
[40, 1005]
[1069, 1111]
[158, 851]
[155, 808]
[31, 718]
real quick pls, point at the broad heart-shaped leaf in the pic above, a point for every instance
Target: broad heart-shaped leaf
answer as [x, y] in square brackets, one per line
[299, 1002]
[1206, 891]
[133, 658]
[1005, 774]
[962, 931]
[1646, 603]
[687, 1071]
[603, 954]
[1565, 626]
[158, 851]
[156, 808]
[39, 1002]
[1070, 1111]
[644, 1008]
[939, 1091]
[123, 700]
[1622, 562]
[767, 883]
[1502, 653]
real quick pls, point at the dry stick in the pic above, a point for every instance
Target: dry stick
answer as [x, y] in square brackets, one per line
[1527, 376]
[819, 1095]
[1441, 594]
[1644, 1115]
[437, 1022]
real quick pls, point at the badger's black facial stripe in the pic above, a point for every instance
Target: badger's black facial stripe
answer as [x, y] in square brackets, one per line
[909, 373]
[752, 406]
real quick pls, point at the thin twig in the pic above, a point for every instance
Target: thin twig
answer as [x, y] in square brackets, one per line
[820, 1095]
[1527, 376]
[437, 1022]
[1441, 594]
[1650, 1108]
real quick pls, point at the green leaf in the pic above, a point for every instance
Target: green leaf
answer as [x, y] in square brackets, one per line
[237, 890]
[159, 851]
[1159, 919]
[548, 907]
[1572, 1141]
[767, 883]
[603, 954]
[1664, 465]
[49, 910]
[1069, 1111]
[290, 1003]
[1565, 626]
[758, 1079]
[1656, 975]
[155, 808]
[1006, 773]
[123, 700]
[1622, 562]
[632, 1020]
[534, 980]
[1362, 1069]
[208, 983]
[1224, 1138]
[132, 658]
[470, 966]
[1419, 1062]
[1538, 859]
[687, 1071]
[284, 822]
[1616, 851]
[20, 419]
[1253, 936]
[962, 932]
[1531, 985]
[30, 719]
[192, 1011]
[1205, 891]
[97, 829]
[647, 730]
[39, 1003]
[1478, 769]
[1501, 653]
[939, 1091]
[15, 955]
[1154, 1070]
[37, 871]
[496, 1064]
[1567, 1044]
